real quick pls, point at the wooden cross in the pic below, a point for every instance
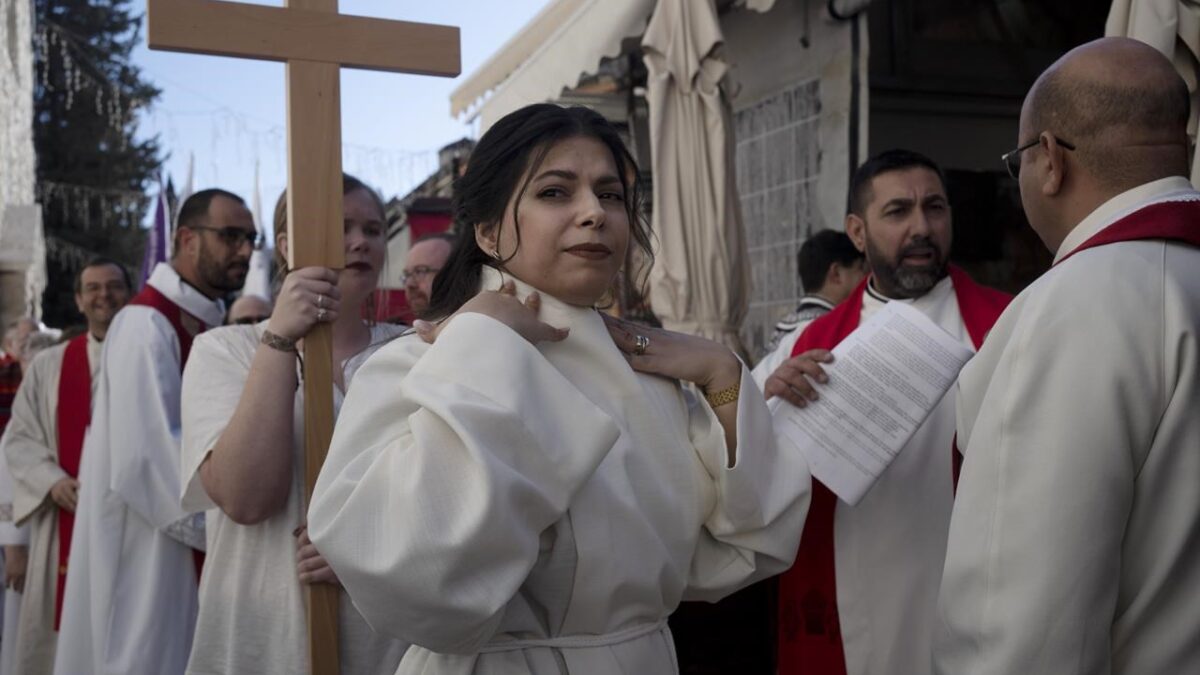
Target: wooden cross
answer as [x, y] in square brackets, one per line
[315, 41]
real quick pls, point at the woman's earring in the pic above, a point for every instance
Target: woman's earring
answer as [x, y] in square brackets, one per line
[495, 254]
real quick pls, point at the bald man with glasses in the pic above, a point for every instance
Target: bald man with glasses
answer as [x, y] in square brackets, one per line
[1074, 544]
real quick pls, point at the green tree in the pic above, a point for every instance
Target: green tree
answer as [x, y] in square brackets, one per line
[93, 175]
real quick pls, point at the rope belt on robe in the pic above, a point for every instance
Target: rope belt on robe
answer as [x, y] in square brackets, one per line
[579, 641]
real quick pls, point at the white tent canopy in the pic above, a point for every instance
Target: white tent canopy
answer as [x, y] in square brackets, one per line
[700, 282]
[512, 55]
[565, 41]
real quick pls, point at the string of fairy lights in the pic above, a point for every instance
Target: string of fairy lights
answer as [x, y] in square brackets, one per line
[65, 62]
[78, 73]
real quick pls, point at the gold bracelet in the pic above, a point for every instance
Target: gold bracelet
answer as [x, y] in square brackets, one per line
[278, 342]
[723, 397]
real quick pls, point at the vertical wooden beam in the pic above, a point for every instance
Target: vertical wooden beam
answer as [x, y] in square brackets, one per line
[315, 238]
[314, 169]
[315, 233]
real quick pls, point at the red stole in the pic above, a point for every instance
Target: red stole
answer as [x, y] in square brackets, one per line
[187, 327]
[810, 639]
[1177, 221]
[72, 417]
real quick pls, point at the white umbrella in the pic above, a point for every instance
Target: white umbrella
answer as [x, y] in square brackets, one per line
[700, 282]
[1173, 28]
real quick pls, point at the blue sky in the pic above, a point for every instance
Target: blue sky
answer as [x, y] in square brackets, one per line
[230, 113]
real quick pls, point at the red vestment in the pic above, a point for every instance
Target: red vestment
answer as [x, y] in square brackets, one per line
[187, 327]
[72, 417]
[809, 630]
[1177, 221]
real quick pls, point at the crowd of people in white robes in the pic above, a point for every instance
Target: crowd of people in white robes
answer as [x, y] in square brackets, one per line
[524, 482]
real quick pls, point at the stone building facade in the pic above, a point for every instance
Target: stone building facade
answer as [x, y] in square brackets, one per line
[796, 82]
[22, 246]
[778, 164]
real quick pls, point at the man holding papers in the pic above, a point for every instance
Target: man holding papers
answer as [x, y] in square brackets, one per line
[1075, 542]
[861, 598]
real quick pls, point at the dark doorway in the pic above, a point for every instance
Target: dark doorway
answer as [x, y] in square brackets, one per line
[947, 78]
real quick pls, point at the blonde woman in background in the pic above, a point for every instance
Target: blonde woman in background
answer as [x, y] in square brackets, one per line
[243, 460]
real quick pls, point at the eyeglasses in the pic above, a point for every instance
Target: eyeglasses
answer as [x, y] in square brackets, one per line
[419, 272]
[252, 319]
[1012, 158]
[234, 237]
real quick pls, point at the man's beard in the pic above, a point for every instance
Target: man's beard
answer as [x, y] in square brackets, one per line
[223, 276]
[419, 303]
[906, 281]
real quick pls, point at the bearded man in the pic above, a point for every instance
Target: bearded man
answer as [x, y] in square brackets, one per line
[130, 600]
[861, 598]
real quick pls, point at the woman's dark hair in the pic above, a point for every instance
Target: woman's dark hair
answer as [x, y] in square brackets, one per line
[349, 184]
[499, 169]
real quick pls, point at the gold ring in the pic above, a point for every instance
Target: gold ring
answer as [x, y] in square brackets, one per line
[640, 343]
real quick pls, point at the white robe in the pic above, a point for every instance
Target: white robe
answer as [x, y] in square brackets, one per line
[811, 308]
[889, 548]
[31, 451]
[775, 358]
[252, 612]
[521, 509]
[1075, 542]
[10, 535]
[130, 600]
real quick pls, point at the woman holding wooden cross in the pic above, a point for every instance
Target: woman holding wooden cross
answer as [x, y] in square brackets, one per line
[243, 459]
[529, 486]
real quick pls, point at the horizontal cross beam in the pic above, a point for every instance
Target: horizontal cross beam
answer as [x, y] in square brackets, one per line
[280, 34]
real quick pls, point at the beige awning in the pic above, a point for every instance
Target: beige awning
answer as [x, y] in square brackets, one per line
[1173, 28]
[564, 42]
[512, 54]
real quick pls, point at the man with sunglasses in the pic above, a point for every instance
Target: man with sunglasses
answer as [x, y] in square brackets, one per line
[1075, 540]
[130, 598]
[861, 597]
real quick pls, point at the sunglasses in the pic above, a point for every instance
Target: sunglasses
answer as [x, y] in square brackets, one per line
[1012, 158]
[250, 320]
[234, 237]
